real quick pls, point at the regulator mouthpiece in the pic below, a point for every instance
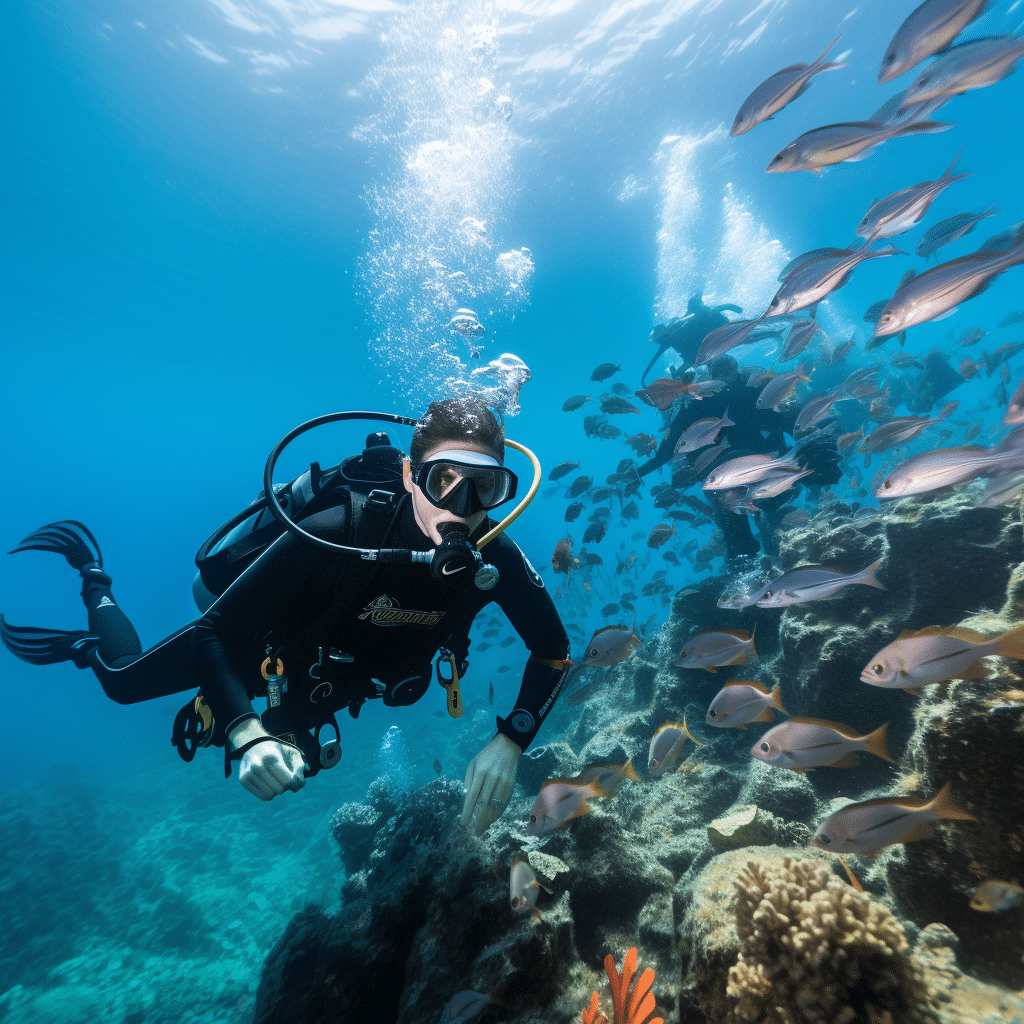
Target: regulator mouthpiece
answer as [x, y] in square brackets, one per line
[455, 560]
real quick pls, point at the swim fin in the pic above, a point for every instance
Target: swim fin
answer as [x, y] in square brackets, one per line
[67, 537]
[40, 646]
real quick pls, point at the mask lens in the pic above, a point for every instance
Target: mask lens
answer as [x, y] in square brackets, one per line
[492, 485]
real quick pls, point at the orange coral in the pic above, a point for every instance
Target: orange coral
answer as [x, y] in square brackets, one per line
[630, 1008]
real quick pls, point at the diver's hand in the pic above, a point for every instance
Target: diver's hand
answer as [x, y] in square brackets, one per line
[267, 769]
[490, 777]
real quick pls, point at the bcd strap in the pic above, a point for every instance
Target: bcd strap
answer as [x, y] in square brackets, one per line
[451, 684]
[193, 728]
[238, 754]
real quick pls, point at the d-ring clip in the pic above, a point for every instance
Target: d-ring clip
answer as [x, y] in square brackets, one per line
[265, 668]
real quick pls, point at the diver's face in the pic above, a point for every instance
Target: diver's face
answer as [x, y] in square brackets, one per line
[429, 516]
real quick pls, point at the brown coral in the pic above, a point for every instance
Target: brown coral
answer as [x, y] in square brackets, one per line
[630, 1007]
[815, 951]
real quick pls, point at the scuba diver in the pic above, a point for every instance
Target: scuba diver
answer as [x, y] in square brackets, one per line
[329, 614]
[754, 431]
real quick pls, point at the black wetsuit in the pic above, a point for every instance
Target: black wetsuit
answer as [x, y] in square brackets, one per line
[296, 602]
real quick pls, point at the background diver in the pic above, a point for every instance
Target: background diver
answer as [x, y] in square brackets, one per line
[316, 634]
[754, 431]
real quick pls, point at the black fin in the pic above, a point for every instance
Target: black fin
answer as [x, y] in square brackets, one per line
[48, 646]
[69, 538]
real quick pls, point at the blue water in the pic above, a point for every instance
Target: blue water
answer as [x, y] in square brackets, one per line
[219, 220]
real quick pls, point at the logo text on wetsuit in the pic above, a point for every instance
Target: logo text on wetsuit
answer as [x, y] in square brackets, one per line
[384, 611]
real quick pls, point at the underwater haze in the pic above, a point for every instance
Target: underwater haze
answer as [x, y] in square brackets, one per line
[223, 218]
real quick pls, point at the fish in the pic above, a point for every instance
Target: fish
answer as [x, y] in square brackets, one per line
[572, 512]
[523, 887]
[799, 517]
[600, 514]
[620, 389]
[579, 486]
[944, 287]
[803, 743]
[659, 534]
[937, 653]
[559, 802]
[437, 766]
[780, 388]
[606, 432]
[507, 642]
[614, 405]
[742, 701]
[779, 90]
[970, 65]
[714, 648]
[845, 140]
[901, 210]
[609, 609]
[604, 371]
[594, 533]
[464, 1006]
[488, 633]
[1014, 317]
[867, 827]
[798, 339]
[847, 441]
[611, 645]
[490, 693]
[608, 776]
[900, 430]
[664, 392]
[949, 230]
[723, 339]
[1000, 356]
[666, 750]
[702, 432]
[562, 469]
[815, 583]
[774, 484]
[945, 467]
[483, 646]
[811, 282]
[562, 559]
[1015, 409]
[1002, 488]
[631, 511]
[927, 30]
[746, 470]
[642, 444]
[574, 403]
[995, 897]
[1002, 239]
[817, 408]
[503, 668]
[806, 257]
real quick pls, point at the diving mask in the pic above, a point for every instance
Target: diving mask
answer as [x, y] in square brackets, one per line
[464, 482]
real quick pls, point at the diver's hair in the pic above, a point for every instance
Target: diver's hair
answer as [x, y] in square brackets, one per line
[458, 419]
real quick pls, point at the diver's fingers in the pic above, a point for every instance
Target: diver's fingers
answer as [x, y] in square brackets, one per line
[249, 777]
[474, 780]
[484, 810]
[280, 766]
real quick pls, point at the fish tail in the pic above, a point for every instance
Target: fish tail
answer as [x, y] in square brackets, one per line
[948, 175]
[871, 575]
[1011, 643]
[853, 878]
[922, 128]
[752, 647]
[825, 52]
[874, 743]
[629, 772]
[944, 807]
[690, 734]
[776, 696]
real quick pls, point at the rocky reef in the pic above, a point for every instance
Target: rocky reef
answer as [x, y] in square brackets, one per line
[706, 871]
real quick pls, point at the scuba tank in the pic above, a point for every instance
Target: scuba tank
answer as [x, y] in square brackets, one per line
[234, 546]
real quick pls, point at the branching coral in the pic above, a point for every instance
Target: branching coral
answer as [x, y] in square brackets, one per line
[630, 1007]
[815, 951]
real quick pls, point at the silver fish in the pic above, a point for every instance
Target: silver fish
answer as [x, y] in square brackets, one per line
[949, 230]
[936, 654]
[929, 28]
[702, 433]
[611, 645]
[717, 647]
[1002, 488]
[815, 583]
[872, 825]
[608, 776]
[778, 389]
[803, 743]
[901, 210]
[726, 337]
[798, 339]
[813, 281]
[944, 287]
[778, 90]
[522, 885]
[742, 701]
[775, 484]
[559, 802]
[995, 897]
[846, 140]
[970, 65]
[806, 257]
[901, 430]
[945, 467]
[816, 408]
[1015, 410]
[747, 469]
[666, 750]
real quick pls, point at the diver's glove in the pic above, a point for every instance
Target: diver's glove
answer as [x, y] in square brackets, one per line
[267, 769]
[490, 778]
[821, 456]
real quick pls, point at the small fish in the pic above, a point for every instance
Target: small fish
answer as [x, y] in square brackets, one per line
[484, 646]
[781, 388]
[490, 693]
[949, 230]
[463, 1007]
[702, 433]
[778, 90]
[1015, 317]
[725, 338]
[971, 65]
[579, 486]
[642, 444]
[872, 825]
[659, 534]
[559, 802]
[493, 631]
[508, 642]
[846, 441]
[614, 405]
[900, 430]
[717, 647]
[611, 645]
[562, 559]
[935, 654]
[503, 668]
[523, 887]
[562, 469]
[666, 750]
[664, 392]
[995, 897]
[798, 517]
[604, 371]
[817, 408]
[798, 339]
[806, 257]
[742, 701]
[968, 369]
[572, 512]
[620, 389]
[608, 776]
[594, 533]
[1015, 410]
[609, 609]
[927, 30]
[815, 583]
[803, 743]
[813, 281]
[438, 768]
[631, 511]
[846, 140]
[574, 403]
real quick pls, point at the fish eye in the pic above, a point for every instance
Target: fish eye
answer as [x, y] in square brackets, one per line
[593, 652]
[713, 713]
[824, 839]
[767, 593]
[889, 58]
[878, 668]
[533, 819]
[766, 748]
[776, 159]
[925, 79]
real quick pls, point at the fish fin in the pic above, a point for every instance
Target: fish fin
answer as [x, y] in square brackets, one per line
[949, 170]
[777, 699]
[629, 772]
[971, 635]
[922, 830]
[1011, 643]
[687, 732]
[752, 647]
[583, 808]
[854, 881]
[974, 671]
[945, 808]
[752, 683]
[706, 669]
[740, 634]
[871, 575]
[924, 128]
[799, 771]
[850, 760]
[766, 716]
[874, 743]
[537, 915]
[741, 727]
[915, 690]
